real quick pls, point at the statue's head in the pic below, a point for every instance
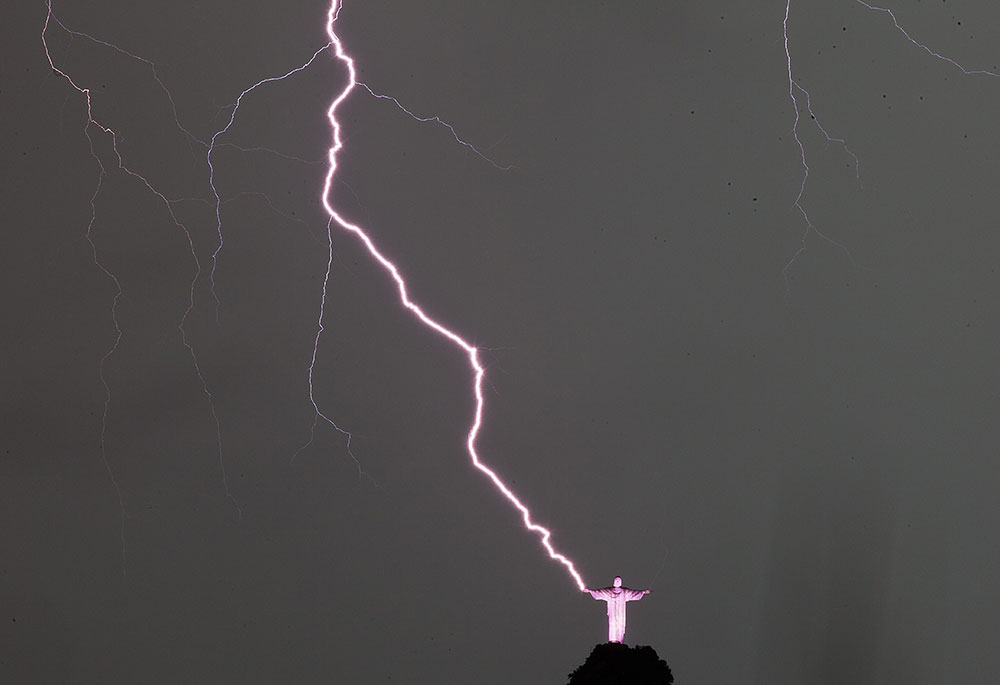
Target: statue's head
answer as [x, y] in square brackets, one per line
[618, 581]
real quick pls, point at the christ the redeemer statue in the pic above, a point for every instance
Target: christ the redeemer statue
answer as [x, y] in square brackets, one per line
[616, 596]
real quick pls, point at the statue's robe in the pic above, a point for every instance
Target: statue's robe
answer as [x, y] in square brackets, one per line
[616, 597]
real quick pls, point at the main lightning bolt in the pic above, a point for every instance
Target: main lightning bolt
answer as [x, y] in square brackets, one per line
[470, 351]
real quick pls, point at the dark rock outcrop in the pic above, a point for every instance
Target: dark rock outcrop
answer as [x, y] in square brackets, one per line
[616, 664]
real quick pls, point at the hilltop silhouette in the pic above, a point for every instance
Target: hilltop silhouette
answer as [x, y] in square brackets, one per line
[613, 663]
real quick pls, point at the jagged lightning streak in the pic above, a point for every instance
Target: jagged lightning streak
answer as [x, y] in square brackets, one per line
[89, 235]
[213, 144]
[91, 121]
[794, 86]
[943, 58]
[478, 372]
[436, 120]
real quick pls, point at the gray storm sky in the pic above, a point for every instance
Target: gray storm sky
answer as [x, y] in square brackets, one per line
[795, 448]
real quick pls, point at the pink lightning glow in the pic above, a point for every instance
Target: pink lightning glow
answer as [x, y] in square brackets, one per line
[471, 352]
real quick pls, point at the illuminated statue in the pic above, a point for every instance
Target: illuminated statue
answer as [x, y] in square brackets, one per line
[616, 596]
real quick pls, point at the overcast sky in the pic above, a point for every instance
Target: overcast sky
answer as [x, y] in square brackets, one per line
[788, 433]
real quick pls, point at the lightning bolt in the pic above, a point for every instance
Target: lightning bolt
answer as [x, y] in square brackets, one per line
[471, 352]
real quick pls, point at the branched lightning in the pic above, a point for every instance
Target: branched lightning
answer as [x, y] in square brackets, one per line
[89, 235]
[250, 193]
[211, 167]
[794, 86]
[436, 120]
[212, 145]
[92, 122]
